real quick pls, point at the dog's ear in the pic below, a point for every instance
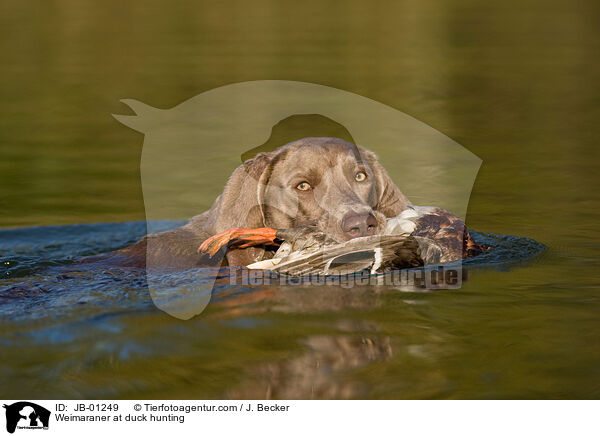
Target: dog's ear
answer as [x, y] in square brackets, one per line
[241, 203]
[390, 200]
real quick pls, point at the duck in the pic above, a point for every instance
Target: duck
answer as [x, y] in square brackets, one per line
[418, 236]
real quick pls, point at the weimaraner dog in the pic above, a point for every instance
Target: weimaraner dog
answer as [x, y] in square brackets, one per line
[335, 186]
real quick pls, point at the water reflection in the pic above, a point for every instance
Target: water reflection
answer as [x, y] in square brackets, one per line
[87, 329]
[320, 365]
[318, 372]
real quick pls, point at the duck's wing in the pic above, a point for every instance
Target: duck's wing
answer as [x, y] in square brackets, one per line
[373, 253]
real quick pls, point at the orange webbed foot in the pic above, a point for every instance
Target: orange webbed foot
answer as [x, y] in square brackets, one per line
[243, 238]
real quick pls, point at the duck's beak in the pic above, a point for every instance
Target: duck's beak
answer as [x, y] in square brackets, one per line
[242, 238]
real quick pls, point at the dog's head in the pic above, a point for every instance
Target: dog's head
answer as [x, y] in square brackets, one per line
[332, 184]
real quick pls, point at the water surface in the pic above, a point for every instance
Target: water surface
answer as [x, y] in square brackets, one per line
[65, 319]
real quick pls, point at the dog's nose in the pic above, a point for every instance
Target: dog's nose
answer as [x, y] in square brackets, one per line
[355, 225]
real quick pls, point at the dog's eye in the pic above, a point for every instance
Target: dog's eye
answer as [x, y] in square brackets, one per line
[304, 186]
[360, 176]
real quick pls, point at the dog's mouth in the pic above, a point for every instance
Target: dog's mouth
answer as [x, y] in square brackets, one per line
[353, 225]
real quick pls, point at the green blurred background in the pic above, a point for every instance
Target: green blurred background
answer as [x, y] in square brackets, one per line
[515, 82]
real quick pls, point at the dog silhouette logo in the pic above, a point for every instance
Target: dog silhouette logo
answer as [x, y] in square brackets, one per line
[191, 149]
[26, 415]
